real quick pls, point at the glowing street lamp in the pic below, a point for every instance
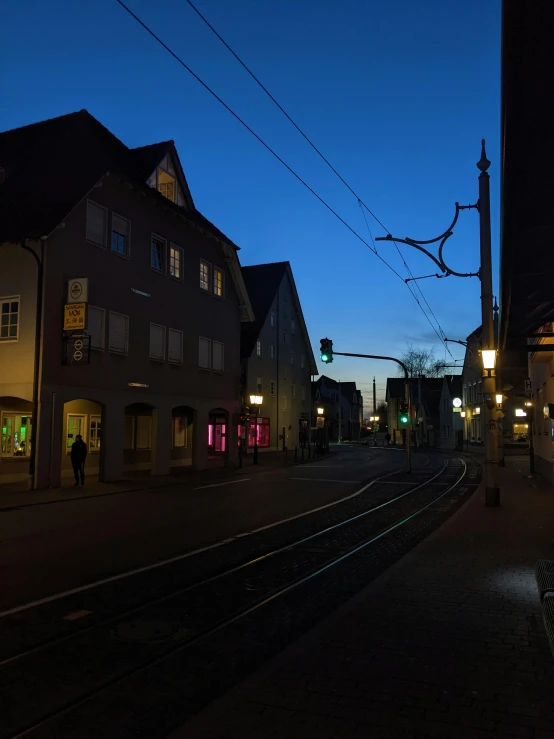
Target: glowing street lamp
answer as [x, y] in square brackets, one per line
[320, 411]
[488, 357]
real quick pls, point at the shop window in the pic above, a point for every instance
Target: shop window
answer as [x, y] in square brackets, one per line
[129, 433]
[95, 433]
[180, 431]
[259, 430]
[144, 432]
[16, 433]
[75, 427]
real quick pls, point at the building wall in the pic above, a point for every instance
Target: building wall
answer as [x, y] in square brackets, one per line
[289, 369]
[541, 371]
[161, 299]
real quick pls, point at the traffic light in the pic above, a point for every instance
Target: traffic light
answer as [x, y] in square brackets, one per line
[403, 415]
[326, 351]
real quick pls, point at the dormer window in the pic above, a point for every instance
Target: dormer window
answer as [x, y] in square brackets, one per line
[165, 182]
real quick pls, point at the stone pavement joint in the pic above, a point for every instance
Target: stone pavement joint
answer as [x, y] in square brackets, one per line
[448, 643]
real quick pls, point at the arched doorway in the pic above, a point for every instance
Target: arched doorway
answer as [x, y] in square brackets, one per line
[15, 426]
[137, 438]
[218, 423]
[81, 417]
[182, 435]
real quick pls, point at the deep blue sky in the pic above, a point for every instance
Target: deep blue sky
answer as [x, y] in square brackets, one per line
[396, 94]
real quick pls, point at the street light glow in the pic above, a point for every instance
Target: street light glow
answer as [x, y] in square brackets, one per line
[256, 399]
[499, 398]
[520, 412]
[320, 411]
[489, 358]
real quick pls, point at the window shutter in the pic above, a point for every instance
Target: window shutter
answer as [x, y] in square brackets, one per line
[157, 342]
[119, 333]
[218, 356]
[120, 225]
[175, 346]
[96, 327]
[96, 224]
[204, 346]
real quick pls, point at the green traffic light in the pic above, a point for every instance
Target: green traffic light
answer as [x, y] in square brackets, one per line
[403, 419]
[324, 357]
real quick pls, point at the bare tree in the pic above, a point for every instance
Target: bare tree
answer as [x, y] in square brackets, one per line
[421, 362]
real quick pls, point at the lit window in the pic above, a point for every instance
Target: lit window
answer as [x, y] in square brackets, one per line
[120, 235]
[118, 333]
[175, 346]
[204, 353]
[217, 364]
[258, 348]
[9, 319]
[204, 275]
[16, 432]
[75, 427]
[175, 261]
[95, 433]
[97, 218]
[180, 427]
[218, 282]
[157, 254]
[272, 386]
[97, 327]
[157, 342]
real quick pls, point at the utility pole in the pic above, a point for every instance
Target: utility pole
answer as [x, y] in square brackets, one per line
[340, 416]
[492, 491]
[374, 397]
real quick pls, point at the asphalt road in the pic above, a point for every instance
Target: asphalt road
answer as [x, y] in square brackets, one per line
[49, 549]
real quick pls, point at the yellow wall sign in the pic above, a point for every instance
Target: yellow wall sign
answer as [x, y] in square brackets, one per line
[75, 317]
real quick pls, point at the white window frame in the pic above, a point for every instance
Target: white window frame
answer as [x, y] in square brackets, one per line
[222, 345]
[82, 431]
[258, 347]
[103, 245]
[218, 271]
[110, 347]
[204, 263]
[127, 253]
[273, 388]
[163, 242]
[162, 357]
[10, 299]
[94, 448]
[209, 353]
[170, 359]
[102, 311]
[180, 252]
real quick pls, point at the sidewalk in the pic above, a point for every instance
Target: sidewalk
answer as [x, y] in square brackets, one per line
[448, 643]
[16, 495]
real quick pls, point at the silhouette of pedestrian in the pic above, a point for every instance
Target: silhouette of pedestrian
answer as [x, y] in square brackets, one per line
[387, 438]
[78, 456]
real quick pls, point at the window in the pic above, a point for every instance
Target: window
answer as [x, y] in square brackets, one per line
[164, 181]
[175, 346]
[218, 356]
[175, 262]
[16, 432]
[303, 392]
[97, 327]
[302, 361]
[272, 386]
[144, 432]
[204, 275]
[180, 424]
[292, 357]
[219, 283]
[129, 433]
[9, 318]
[272, 318]
[75, 426]
[258, 348]
[204, 353]
[97, 219]
[157, 253]
[157, 342]
[95, 433]
[118, 333]
[259, 385]
[293, 391]
[120, 235]
[292, 326]
[284, 402]
[272, 351]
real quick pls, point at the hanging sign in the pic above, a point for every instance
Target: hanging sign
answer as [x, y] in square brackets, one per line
[75, 317]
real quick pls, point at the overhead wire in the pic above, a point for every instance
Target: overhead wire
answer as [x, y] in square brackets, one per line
[441, 334]
[273, 152]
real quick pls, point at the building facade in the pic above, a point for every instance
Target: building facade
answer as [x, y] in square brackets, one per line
[151, 379]
[277, 361]
[450, 413]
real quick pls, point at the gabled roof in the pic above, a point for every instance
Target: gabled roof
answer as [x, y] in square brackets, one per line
[454, 384]
[262, 283]
[396, 388]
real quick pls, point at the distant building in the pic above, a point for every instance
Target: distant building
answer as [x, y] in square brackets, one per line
[277, 359]
[343, 407]
[450, 413]
[150, 378]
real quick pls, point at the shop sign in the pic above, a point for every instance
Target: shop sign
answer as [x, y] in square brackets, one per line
[77, 349]
[75, 317]
[77, 290]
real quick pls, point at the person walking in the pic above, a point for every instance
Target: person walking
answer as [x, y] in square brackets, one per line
[387, 438]
[78, 456]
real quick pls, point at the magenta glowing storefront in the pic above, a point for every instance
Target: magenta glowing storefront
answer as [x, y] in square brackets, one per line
[217, 433]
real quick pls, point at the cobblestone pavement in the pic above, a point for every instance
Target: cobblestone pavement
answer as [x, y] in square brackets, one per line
[449, 643]
[140, 675]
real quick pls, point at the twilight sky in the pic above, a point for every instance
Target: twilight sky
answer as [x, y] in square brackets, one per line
[397, 95]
